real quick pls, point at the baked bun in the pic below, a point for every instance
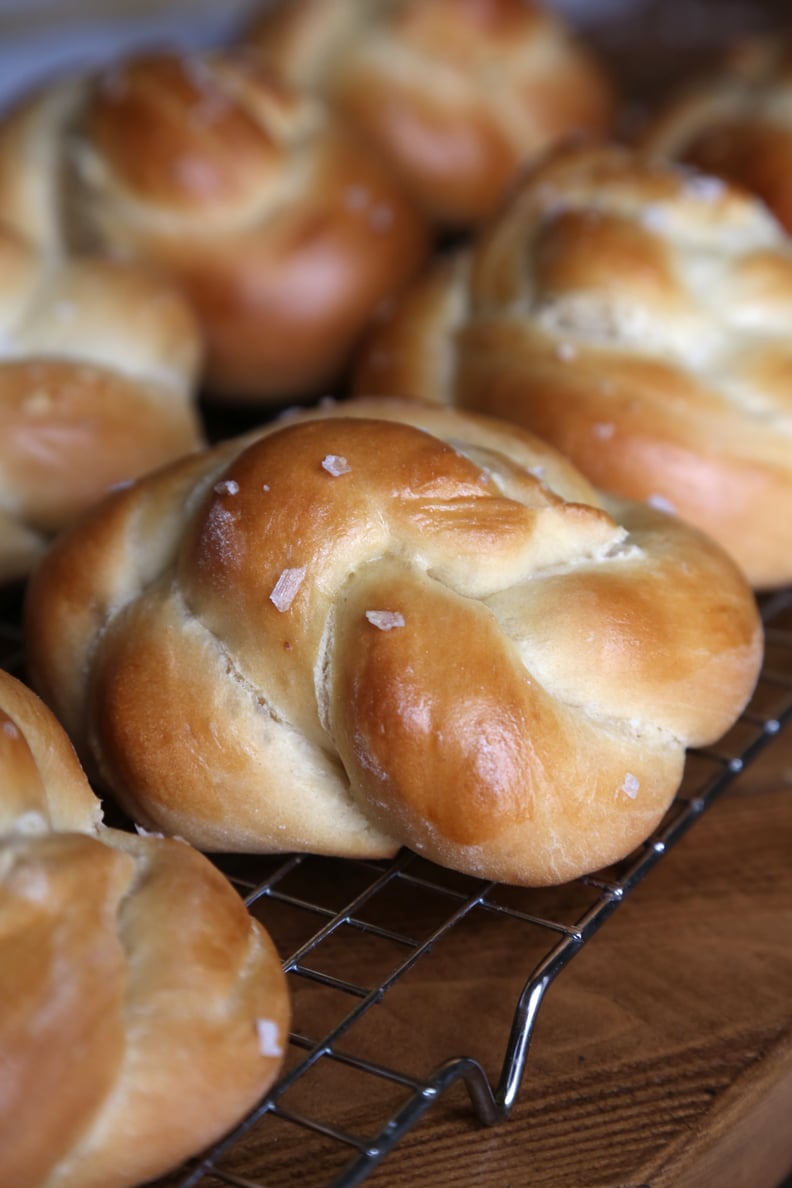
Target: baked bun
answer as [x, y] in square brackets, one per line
[282, 229]
[736, 123]
[43, 787]
[382, 624]
[457, 93]
[131, 976]
[637, 316]
[98, 369]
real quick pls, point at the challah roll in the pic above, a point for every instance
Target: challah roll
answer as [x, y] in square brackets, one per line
[43, 788]
[281, 228]
[636, 315]
[98, 369]
[457, 93]
[380, 624]
[736, 123]
[135, 987]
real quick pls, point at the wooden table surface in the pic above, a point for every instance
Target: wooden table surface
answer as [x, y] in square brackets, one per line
[663, 1054]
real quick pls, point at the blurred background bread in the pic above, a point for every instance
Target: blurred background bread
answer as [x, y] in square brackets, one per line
[736, 122]
[636, 315]
[458, 94]
[99, 367]
[282, 230]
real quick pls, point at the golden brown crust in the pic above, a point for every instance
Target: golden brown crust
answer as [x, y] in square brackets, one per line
[457, 93]
[383, 623]
[736, 123]
[98, 368]
[131, 972]
[282, 229]
[636, 314]
[42, 780]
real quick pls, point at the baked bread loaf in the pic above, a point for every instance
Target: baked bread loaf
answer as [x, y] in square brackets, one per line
[457, 93]
[98, 369]
[636, 315]
[383, 623]
[136, 988]
[736, 123]
[282, 229]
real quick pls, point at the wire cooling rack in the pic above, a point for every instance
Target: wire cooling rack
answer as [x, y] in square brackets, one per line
[357, 931]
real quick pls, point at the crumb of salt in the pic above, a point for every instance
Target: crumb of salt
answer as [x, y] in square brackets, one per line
[336, 465]
[655, 218]
[227, 487]
[661, 503]
[10, 730]
[565, 351]
[268, 1034]
[265, 486]
[631, 785]
[385, 620]
[286, 587]
[705, 187]
[147, 832]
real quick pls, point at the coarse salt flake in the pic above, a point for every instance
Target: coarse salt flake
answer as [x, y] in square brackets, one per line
[655, 218]
[286, 587]
[661, 503]
[631, 785]
[147, 832]
[565, 351]
[10, 730]
[227, 487]
[336, 465]
[268, 1034]
[705, 187]
[385, 620]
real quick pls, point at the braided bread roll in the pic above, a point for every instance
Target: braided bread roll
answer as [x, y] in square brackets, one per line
[736, 123]
[383, 624]
[133, 982]
[98, 366]
[637, 316]
[457, 93]
[280, 227]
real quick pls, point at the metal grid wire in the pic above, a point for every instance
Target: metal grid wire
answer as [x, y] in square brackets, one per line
[356, 930]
